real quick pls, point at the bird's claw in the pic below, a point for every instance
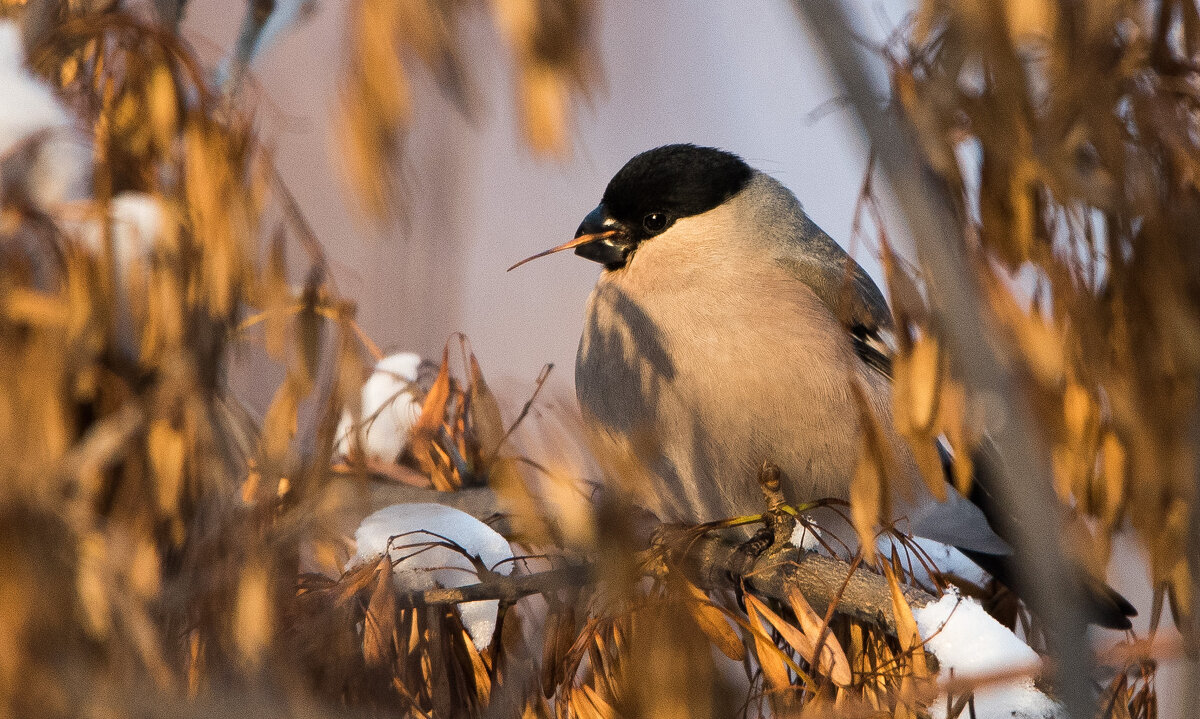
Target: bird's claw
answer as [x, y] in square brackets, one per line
[753, 547]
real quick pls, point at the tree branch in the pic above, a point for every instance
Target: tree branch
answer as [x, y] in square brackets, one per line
[715, 563]
[498, 586]
[718, 564]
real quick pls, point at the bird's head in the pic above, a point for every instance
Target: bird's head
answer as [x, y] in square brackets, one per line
[649, 194]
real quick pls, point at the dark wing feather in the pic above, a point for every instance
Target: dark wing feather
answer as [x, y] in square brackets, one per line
[871, 349]
[845, 287]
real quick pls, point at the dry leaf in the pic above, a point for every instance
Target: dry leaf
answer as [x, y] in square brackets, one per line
[485, 414]
[167, 448]
[832, 655]
[770, 659]
[379, 622]
[906, 626]
[425, 431]
[712, 621]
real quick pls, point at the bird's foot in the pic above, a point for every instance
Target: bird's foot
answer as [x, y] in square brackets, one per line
[753, 547]
[778, 528]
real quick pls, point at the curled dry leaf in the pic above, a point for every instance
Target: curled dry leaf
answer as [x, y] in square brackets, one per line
[771, 660]
[485, 416]
[924, 369]
[423, 438]
[959, 433]
[804, 645]
[906, 625]
[168, 451]
[871, 484]
[560, 635]
[380, 644]
[918, 377]
[712, 620]
[588, 703]
[866, 500]
[1112, 480]
[833, 657]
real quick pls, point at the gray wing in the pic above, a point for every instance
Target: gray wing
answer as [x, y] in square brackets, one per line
[855, 299]
[849, 292]
[845, 288]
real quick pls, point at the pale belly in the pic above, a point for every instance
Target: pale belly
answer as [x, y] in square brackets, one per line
[697, 390]
[701, 359]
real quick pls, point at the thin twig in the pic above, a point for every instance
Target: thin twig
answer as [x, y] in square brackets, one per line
[503, 588]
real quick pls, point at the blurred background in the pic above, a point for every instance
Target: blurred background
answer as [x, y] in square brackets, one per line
[741, 76]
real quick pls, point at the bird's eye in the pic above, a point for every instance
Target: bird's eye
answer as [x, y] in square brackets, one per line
[654, 221]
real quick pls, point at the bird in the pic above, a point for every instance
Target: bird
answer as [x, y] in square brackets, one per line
[727, 329]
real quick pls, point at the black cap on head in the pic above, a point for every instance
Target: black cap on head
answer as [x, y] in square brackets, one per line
[650, 193]
[676, 181]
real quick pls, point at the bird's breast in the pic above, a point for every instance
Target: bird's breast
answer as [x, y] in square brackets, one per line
[705, 368]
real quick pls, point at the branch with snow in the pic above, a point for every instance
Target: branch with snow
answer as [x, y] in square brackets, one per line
[973, 647]
[968, 644]
[389, 409]
[432, 546]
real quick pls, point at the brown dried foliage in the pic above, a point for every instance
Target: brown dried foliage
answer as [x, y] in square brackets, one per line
[1067, 134]
[151, 533]
[549, 42]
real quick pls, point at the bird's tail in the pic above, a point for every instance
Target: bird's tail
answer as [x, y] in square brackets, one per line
[1104, 605]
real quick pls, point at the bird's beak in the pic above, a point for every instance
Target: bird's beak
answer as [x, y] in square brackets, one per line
[600, 238]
